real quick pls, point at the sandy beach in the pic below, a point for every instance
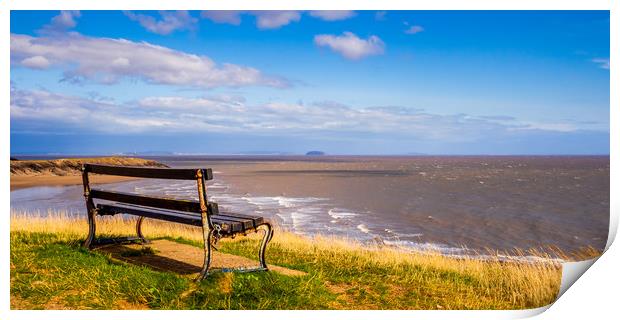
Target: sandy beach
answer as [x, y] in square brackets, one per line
[20, 182]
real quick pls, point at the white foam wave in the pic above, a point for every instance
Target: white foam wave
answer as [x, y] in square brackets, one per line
[217, 185]
[262, 202]
[425, 246]
[337, 213]
[405, 235]
[298, 218]
[280, 201]
[463, 253]
[363, 228]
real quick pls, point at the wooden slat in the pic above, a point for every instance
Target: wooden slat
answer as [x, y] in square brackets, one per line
[244, 223]
[179, 217]
[172, 204]
[120, 204]
[255, 220]
[147, 201]
[144, 172]
[229, 224]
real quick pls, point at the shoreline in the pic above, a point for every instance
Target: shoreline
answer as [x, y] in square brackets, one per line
[23, 181]
[30, 181]
[67, 171]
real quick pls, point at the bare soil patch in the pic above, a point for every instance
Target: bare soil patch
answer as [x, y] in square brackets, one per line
[182, 258]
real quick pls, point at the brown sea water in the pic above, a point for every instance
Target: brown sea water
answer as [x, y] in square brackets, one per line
[439, 202]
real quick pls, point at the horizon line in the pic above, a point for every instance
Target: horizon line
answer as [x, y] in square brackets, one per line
[34, 154]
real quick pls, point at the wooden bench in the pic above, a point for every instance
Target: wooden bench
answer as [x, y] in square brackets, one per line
[215, 225]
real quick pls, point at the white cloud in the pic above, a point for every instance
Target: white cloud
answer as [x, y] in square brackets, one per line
[333, 15]
[36, 62]
[199, 105]
[557, 127]
[275, 19]
[106, 60]
[265, 19]
[40, 110]
[351, 46]
[169, 21]
[603, 63]
[223, 16]
[63, 21]
[66, 19]
[414, 30]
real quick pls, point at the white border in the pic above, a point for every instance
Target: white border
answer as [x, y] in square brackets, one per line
[314, 4]
[596, 294]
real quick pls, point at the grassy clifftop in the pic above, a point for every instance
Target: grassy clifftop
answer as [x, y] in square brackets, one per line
[71, 166]
[49, 270]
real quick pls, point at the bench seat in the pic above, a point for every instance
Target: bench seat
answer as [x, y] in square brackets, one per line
[230, 223]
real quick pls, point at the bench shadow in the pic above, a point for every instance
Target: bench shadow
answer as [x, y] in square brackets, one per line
[150, 260]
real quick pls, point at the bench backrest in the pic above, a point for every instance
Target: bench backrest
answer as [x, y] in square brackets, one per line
[200, 175]
[145, 172]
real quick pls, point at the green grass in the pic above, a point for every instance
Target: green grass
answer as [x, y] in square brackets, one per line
[52, 271]
[49, 272]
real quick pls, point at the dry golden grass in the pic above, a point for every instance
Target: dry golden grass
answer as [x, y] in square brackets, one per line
[525, 283]
[61, 223]
[70, 226]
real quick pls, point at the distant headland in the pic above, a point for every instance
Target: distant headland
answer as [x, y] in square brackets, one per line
[315, 153]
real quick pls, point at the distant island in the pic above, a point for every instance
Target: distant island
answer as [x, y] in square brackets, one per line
[315, 153]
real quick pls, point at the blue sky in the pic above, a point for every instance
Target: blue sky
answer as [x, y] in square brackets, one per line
[367, 82]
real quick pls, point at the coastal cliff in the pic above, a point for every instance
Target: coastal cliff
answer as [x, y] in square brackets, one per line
[72, 166]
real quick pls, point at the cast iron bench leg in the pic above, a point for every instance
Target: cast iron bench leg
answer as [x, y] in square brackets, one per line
[268, 235]
[207, 236]
[139, 230]
[91, 230]
[91, 241]
[263, 245]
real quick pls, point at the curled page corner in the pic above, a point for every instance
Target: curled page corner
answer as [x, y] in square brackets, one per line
[613, 229]
[572, 271]
[528, 313]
